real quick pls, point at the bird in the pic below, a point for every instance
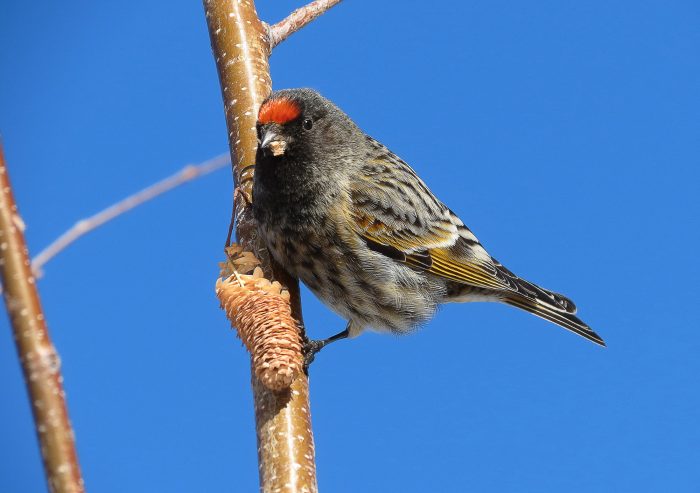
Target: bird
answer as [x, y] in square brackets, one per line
[355, 223]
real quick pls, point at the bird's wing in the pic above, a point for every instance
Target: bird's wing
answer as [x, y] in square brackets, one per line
[397, 215]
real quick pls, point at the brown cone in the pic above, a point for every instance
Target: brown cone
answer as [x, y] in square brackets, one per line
[260, 311]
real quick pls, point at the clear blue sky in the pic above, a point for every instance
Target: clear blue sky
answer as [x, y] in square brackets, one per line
[565, 134]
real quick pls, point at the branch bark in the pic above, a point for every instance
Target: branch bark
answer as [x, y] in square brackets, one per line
[298, 19]
[40, 362]
[241, 44]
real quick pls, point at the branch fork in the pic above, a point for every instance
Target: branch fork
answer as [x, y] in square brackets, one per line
[298, 19]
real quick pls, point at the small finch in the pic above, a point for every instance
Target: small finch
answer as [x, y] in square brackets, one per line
[355, 223]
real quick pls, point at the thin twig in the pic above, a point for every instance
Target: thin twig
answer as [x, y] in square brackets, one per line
[40, 362]
[186, 174]
[298, 19]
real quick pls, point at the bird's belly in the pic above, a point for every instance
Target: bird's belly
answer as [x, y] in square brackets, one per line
[368, 289]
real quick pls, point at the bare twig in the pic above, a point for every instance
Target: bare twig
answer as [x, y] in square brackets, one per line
[40, 362]
[298, 19]
[186, 174]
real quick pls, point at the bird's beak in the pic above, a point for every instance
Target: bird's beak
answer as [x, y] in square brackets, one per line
[273, 143]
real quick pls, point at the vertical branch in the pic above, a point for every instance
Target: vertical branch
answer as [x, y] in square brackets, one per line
[40, 362]
[241, 48]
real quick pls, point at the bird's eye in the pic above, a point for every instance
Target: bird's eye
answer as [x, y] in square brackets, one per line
[308, 124]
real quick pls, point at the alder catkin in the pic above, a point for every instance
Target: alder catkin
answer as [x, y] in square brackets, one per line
[260, 312]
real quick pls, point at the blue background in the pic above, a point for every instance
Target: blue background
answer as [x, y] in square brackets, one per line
[565, 134]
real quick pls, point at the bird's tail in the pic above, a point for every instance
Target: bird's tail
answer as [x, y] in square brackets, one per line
[545, 304]
[553, 307]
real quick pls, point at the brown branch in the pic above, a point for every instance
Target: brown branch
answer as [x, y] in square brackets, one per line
[84, 226]
[298, 19]
[241, 45]
[40, 362]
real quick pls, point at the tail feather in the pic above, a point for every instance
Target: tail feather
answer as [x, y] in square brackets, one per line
[543, 308]
[534, 292]
[545, 304]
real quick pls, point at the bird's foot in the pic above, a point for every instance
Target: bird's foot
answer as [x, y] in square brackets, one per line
[312, 346]
[309, 350]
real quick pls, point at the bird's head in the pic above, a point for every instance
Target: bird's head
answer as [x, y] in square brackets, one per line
[298, 124]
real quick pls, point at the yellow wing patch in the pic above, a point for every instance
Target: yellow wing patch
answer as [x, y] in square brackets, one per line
[466, 271]
[404, 239]
[415, 251]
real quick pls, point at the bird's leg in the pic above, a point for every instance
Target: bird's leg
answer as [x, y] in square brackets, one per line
[311, 346]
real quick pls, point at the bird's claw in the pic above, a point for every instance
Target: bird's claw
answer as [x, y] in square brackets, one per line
[309, 350]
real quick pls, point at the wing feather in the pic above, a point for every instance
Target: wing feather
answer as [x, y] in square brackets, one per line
[396, 215]
[393, 208]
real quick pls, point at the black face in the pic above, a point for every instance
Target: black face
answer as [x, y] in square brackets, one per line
[306, 149]
[297, 137]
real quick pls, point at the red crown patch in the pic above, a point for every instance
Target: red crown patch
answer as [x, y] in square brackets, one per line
[278, 111]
